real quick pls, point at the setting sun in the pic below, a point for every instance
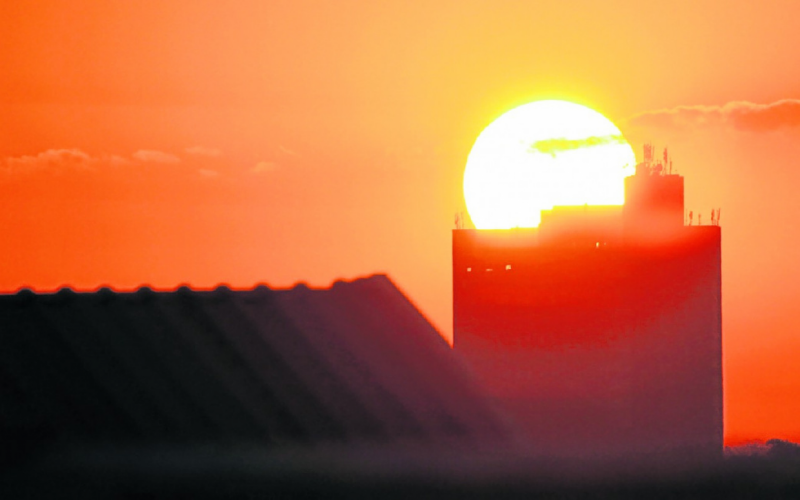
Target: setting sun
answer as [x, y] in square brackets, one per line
[540, 155]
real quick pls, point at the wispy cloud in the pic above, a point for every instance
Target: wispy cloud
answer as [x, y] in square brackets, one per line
[203, 151]
[553, 146]
[150, 155]
[264, 167]
[52, 159]
[739, 115]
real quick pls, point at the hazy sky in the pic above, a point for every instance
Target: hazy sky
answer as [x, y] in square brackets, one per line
[202, 142]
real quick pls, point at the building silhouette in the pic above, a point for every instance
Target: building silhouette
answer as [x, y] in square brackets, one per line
[355, 363]
[600, 331]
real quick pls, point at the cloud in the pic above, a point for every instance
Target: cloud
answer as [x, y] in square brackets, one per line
[264, 167]
[208, 173]
[553, 146]
[739, 115]
[57, 160]
[287, 151]
[52, 159]
[203, 151]
[155, 156]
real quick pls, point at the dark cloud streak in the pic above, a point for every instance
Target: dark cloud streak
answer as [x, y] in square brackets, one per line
[739, 115]
[553, 146]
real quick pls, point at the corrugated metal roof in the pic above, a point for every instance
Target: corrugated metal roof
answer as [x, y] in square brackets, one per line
[356, 362]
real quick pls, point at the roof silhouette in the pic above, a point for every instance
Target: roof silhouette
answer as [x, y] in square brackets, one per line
[353, 363]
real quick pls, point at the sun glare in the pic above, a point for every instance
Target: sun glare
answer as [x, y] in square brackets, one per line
[540, 155]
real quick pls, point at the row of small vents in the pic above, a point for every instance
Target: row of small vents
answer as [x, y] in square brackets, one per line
[508, 266]
[488, 270]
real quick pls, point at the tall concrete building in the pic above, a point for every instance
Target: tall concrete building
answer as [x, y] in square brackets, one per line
[600, 332]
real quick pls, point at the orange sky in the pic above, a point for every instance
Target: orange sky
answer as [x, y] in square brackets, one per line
[185, 141]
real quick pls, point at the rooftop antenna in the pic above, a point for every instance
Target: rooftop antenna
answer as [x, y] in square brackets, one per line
[699, 219]
[647, 162]
[691, 216]
[648, 153]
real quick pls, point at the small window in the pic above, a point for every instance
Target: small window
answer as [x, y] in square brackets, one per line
[508, 267]
[469, 269]
[597, 245]
[488, 270]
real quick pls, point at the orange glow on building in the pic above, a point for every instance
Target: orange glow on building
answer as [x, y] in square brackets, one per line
[600, 332]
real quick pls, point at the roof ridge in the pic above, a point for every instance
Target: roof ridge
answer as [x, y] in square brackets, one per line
[185, 287]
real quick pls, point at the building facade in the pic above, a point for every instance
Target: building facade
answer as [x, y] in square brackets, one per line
[600, 332]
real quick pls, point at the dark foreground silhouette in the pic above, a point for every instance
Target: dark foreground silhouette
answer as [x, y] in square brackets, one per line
[353, 364]
[358, 471]
[286, 393]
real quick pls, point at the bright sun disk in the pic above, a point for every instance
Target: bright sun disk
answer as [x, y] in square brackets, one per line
[540, 155]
